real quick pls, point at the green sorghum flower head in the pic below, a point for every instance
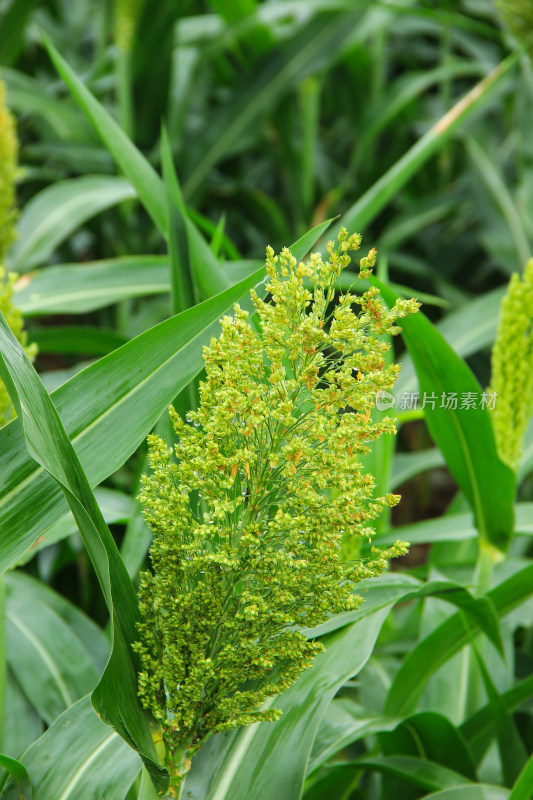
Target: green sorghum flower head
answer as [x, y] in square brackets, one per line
[249, 516]
[15, 322]
[517, 16]
[512, 367]
[8, 167]
[126, 13]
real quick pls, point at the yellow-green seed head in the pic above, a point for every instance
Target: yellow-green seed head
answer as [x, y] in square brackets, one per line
[126, 14]
[8, 166]
[512, 367]
[15, 322]
[250, 510]
[517, 16]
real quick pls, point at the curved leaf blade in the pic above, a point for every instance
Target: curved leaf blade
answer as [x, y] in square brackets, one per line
[58, 210]
[78, 758]
[49, 445]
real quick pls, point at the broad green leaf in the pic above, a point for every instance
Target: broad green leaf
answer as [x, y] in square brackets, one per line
[107, 410]
[25, 95]
[19, 777]
[343, 723]
[24, 723]
[50, 661]
[86, 340]
[478, 609]
[79, 758]
[136, 168]
[427, 774]
[56, 211]
[449, 528]
[407, 465]
[453, 528]
[78, 289]
[115, 697]
[431, 736]
[91, 640]
[433, 651]
[464, 435]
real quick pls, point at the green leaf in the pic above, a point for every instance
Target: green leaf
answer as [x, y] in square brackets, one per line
[467, 330]
[79, 758]
[464, 435]
[496, 187]
[12, 28]
[115, 697]
[25, 95]
[480, 791]
[343, 723]
[56, 211]
[421, 772]
[136, 168]
[86, 340]
[478, 728]
[50, 661]
[407, 465]
[436, 648]
[513, 754]
[78, 289]
[180, 267]
[449, 528]
[523, 788]
[19, 775]
[431, 736]
[115, 507]
[92, 642]
[25, 725]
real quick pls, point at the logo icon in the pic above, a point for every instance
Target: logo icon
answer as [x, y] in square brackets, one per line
[385, 400]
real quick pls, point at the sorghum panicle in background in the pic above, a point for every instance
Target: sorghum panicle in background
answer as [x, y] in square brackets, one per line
[512, 367]
[8, 166]
[249, 518]
[517, 15]
[126, 13]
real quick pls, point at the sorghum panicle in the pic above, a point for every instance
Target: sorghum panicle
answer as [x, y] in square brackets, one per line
[249, 511]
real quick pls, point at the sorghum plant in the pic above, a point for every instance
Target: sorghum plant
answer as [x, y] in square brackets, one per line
[248, 520]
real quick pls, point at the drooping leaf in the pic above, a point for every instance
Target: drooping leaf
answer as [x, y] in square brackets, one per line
[55, 212]
[78, 758]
